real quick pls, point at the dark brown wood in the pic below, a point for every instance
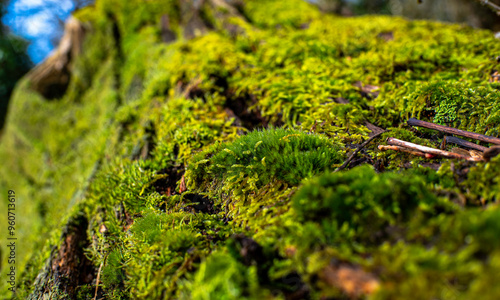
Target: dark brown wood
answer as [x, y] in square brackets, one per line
[491, 152]
[373, 128]
[396, 142]
[450, 130]
[346, 163]
[464, 143]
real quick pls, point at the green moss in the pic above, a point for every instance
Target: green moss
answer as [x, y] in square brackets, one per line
[482, 184]
[461, 105]
[191, 126]
[221, 276]
[254, 123]
[352, 203]
[276, 13]
[261, 156]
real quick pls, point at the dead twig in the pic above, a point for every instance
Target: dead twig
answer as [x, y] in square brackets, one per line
[396, 142]
[346, 163]
[406, 150]
[450, 130]
[98, 277]
[492, 6]
[464, 143]
[491, 152]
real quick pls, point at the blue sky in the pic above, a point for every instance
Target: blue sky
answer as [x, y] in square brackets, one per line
[36, 21]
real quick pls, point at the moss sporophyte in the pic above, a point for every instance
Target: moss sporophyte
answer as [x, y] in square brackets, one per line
[200, 143]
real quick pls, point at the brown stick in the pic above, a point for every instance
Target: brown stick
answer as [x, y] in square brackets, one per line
[450, 130]
[402, 149]
[491, 152]
[97, 280]
[346, 163]
[492, 6]
[396, 142]
[464, 143]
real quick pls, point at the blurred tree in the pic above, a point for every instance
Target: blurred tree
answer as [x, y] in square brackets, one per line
[476, 13]
[332, 6]
[41, 22]
[55, 11]
[14, 63]
[356, 7]
[471, 12]
[371, 7]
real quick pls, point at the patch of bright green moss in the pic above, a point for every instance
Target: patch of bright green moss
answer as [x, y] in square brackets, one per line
[222, 276]
[468, 106]
[261, 156]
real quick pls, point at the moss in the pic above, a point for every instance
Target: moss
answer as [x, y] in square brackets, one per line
[261, 156]
[279, 14]
[453, 257]
[359, 200]
[482, 183]
[467, 106]
[251, 118]
[221, 276]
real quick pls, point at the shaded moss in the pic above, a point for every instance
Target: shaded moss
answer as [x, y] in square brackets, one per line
[353, 202]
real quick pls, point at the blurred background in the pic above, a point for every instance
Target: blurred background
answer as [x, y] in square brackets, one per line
[31, 29]
[471, 12]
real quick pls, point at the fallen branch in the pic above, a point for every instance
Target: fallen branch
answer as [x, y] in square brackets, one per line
[396, 142]
[450, 130]
[346, 163]
[464, 143]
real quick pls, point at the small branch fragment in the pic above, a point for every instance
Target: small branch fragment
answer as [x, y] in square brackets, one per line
[346, 163]
[373, 128]
[464, 143]
[450, 130]
[460, 151]
[406, 150]
[491, 152]
[475, 153]
[97, 280]
[396, 142]
[492, 6]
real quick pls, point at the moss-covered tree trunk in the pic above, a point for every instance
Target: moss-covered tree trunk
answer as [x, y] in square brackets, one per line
[186, 150]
